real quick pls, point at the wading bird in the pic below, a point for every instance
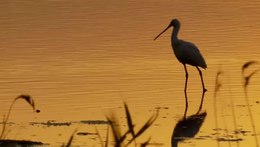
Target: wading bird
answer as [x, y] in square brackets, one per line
[186, 53]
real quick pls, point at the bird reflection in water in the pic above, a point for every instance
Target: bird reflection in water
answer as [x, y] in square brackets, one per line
[187, 128]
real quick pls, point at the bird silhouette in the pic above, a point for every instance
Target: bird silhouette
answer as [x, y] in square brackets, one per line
[186, 53]
[187, 128]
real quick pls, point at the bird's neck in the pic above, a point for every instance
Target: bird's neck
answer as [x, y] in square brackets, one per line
[175, 32]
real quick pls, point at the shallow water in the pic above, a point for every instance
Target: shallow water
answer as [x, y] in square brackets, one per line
[80, 60]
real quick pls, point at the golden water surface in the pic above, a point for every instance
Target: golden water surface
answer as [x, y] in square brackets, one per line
[81, 59]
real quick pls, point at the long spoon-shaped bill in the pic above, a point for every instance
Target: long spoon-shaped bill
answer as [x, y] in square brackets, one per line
[162, 32]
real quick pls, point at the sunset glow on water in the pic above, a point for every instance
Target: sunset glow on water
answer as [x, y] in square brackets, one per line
[80, 60]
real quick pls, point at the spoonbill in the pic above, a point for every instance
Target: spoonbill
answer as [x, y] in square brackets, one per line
[186, 53]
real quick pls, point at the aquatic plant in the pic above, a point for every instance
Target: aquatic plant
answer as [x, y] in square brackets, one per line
[28, 99]
[216, 90]
[120, 139]
[70, 140]
[100, 138]
[246, 80]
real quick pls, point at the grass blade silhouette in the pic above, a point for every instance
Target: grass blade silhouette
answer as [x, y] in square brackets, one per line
[217, 87]
[70, 140]
[247, 64]
[118, 138]
[146, 142]
[115, 131]
[107, 136]
[28, 99]
[148, 123]
[234, 116]
[129, 121]
[99, 137]
[245, 85]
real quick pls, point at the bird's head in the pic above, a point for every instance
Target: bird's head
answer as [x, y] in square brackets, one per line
[174, 23]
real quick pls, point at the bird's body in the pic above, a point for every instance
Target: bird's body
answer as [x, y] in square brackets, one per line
[186, 53]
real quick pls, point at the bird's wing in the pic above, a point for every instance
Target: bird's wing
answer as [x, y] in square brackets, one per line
[191, 54]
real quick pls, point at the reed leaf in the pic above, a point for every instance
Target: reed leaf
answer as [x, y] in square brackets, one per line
[28, 99]
[246, 83]
[99, 137]
[247, 78]
[118, 138]
[70, 140]
[148, 123]
[247, 64]
[217, 83]
[129, 120]
[146, 142]
[106, 144]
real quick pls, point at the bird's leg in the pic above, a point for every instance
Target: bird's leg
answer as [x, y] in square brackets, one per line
[204, 89]
[185, 90]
